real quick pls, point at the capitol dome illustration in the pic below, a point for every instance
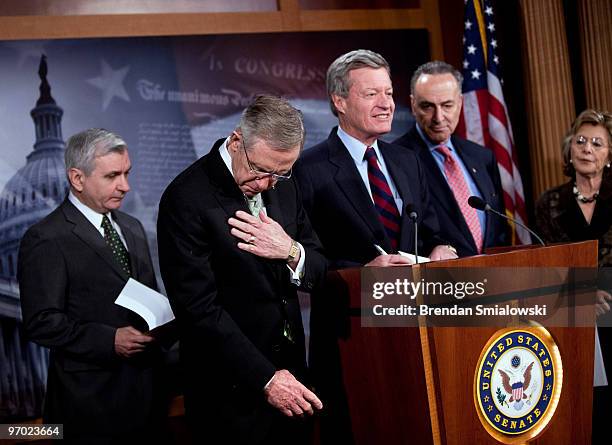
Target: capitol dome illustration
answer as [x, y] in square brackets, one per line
[38, 187]
[33, 192]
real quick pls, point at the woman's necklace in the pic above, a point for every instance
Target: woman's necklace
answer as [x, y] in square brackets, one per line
[580, 197]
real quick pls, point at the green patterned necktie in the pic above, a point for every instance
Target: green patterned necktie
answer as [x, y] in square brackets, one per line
[114, 242]
[255, 204]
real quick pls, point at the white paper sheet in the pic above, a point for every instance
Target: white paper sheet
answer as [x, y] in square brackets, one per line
[411, 257]
[149, 304]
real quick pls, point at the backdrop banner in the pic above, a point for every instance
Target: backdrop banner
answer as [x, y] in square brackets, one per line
[170, 98]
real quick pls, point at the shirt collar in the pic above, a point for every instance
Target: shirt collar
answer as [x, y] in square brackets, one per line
[92, 216]
[227, 159]
[355, 147]
[431, 145]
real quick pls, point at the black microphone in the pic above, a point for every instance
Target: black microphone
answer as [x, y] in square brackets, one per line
[412, 214]
[479, 204]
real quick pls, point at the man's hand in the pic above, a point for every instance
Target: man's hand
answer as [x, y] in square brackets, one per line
[130, 341]
[261, 236]
[442, 253]
[389, 260]
[602, 302]
[289, 396]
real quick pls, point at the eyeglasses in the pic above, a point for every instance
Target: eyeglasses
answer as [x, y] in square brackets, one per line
[596, 143]
[262, 174]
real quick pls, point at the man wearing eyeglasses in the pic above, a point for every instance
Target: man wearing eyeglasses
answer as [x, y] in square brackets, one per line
[234, 246]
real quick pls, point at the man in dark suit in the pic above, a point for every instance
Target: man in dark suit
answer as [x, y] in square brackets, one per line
[234, 245]
[455, 168]
[72, 266]
[356, 190]
[355, 187]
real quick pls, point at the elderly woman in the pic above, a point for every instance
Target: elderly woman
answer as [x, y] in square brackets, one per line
[581, 209]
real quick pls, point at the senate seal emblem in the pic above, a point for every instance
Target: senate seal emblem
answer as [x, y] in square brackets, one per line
[517, 383]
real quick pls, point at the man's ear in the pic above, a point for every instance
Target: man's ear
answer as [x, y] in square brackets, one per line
[413, 103]
[235, 142]
[76, 178]
[340, 103]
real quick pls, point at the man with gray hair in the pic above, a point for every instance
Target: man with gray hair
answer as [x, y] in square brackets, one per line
[356, 190]
[234, 246]
[72, 266]
[362, 183]
[456, 169]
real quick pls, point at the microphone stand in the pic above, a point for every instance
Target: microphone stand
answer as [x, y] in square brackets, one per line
[480, 204]
[413, 217]
[517, 223]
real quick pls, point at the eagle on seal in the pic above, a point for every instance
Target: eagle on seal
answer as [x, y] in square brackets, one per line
[516, 389]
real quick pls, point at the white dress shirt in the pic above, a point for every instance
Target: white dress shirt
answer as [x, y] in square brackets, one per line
[95, 218]
[357, 151]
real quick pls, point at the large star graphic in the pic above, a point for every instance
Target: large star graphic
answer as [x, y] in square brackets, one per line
[110, 81]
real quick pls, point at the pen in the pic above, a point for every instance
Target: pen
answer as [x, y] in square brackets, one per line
[380, 250]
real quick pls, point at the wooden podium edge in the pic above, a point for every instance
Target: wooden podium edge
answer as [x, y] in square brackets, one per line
[431, 387]
[430, 376]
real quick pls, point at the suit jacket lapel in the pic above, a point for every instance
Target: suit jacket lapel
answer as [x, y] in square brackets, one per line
[477, 170]
[273, 209]
[349, 181]
[227, 192]
[479, 174]
[90, 235]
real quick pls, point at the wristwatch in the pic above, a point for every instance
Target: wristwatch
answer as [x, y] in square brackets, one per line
[293, 252]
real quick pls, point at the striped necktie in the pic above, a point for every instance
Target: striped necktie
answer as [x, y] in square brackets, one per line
[114, 242]
[383, 198]
[459, 186]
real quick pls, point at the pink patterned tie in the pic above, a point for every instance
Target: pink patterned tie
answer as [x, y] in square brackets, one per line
[460, 189]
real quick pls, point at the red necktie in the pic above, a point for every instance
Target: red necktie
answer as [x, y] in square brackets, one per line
[383, 198]
[460, 189]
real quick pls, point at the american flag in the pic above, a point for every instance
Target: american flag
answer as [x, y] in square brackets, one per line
[484, 118]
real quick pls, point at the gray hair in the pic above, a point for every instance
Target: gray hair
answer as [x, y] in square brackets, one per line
[435, 67]
[588, 116]
[82, 148]
[338, 72]
[274, 120]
